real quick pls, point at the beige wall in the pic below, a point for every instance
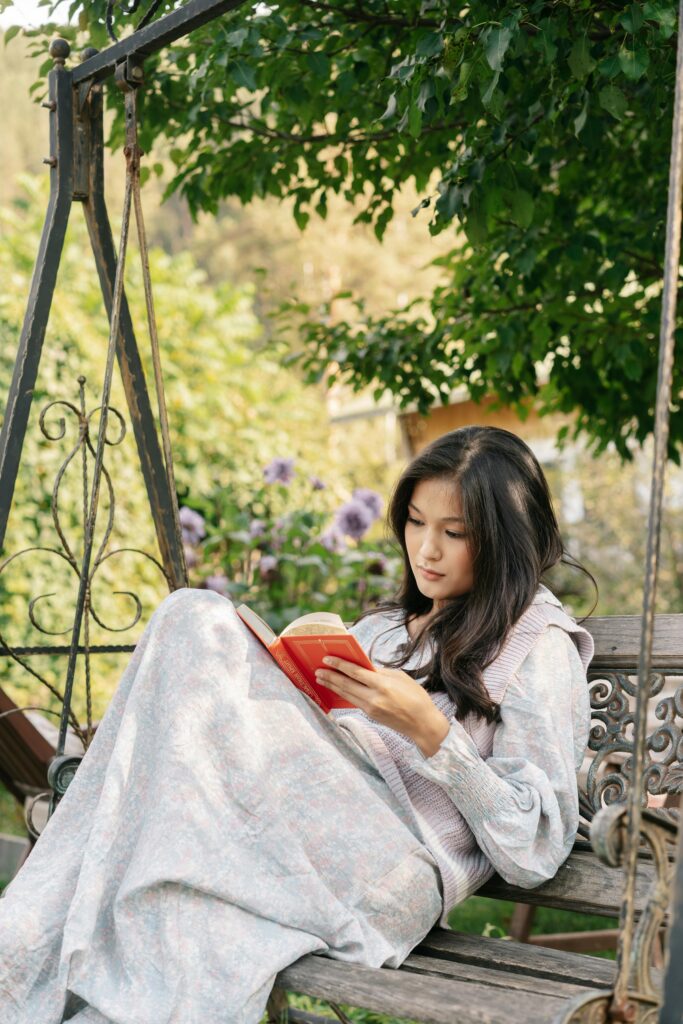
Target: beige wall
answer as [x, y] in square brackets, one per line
[419, 430]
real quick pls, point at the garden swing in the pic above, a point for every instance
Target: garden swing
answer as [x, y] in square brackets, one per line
[449, 977]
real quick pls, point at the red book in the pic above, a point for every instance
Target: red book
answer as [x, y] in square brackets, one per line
[300, 648]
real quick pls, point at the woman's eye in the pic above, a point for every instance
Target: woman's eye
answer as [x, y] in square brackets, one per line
[415, 522]
[450, 533]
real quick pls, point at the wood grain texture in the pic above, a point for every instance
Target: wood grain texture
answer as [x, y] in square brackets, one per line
[427, 998]
[492, 974]
[582, 884]
[516, 957]
[617, 641]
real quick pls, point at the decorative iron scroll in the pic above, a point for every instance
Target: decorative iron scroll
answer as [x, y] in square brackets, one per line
[643, 999]
[82, 452]
[612, 696]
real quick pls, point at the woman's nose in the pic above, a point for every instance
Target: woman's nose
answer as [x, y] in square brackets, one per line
[429, 549]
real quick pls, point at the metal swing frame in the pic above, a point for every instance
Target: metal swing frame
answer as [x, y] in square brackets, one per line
[76, 174]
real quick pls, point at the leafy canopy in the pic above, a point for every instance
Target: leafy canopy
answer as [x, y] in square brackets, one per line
[538, 135]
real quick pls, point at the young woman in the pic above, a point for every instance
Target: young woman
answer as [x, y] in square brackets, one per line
[221, 826]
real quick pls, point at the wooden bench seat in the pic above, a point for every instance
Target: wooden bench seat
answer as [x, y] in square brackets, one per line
[582, 884]
[452, 978]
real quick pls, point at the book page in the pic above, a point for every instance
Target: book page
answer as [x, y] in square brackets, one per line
[315, 624]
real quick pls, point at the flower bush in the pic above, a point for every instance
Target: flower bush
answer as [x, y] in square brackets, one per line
[283, 548]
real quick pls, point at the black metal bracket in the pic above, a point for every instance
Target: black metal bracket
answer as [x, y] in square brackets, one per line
[153, 37]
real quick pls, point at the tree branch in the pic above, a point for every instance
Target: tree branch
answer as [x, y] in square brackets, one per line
[357, 14]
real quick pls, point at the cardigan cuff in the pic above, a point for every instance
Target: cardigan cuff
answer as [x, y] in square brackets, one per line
[457, 750]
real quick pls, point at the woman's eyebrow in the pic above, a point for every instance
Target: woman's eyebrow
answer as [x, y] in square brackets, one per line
[446, 519]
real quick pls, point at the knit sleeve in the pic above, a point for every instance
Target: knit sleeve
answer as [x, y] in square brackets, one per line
[522, 802]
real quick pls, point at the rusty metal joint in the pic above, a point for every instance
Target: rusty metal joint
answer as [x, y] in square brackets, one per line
[129, 74]
[51, 161]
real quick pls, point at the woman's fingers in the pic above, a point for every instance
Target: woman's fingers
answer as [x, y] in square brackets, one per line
[363, 675]
[338, 682]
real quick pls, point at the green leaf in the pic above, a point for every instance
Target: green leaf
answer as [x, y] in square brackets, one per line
[580, 61]
[415, 120]
[11, 32]
[242, 74]
[522, 208]
[475, 225]
[633, 20]
[487, 94]
[664, 15]
[612, 99]
[236, 38]
[634, 63]
[609, 67]
[391, 108]
[319, 63]
[580, 119]
[496, 46]
[429, 44]
[548, 47]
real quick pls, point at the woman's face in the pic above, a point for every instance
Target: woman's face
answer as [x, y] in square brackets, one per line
[436, 541]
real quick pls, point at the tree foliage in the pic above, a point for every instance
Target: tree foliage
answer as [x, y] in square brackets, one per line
[537, 134]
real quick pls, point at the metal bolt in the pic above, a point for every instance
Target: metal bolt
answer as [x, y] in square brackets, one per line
[49, 104]
[90, 51]
[137, 73]
[51, 161]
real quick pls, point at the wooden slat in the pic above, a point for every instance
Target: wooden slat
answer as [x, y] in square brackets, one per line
[617, 641]
[582, 884]
[582, 942]
[536, 962]
[491, 974]
[427, 998]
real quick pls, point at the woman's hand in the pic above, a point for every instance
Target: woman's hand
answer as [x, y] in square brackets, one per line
[391, 697]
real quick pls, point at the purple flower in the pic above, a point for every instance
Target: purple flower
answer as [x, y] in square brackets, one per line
[192, 525]
[333, 540]
[354, 519]
[217, 583]
[268, 567]
[316, 483]
[279, 471]
[191, 557]
[257, 528]
[371, 499]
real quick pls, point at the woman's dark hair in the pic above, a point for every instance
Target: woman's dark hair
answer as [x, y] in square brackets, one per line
[514, 540]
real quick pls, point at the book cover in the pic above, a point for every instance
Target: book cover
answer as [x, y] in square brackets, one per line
[301, 647]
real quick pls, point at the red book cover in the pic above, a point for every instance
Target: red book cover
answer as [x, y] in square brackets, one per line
[300, 655]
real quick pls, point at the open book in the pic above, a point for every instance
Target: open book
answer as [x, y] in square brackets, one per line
[301, 646]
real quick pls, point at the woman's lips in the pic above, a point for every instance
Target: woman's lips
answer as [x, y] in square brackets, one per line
[429, 575]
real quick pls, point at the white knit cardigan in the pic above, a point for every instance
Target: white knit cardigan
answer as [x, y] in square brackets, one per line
[496, 796]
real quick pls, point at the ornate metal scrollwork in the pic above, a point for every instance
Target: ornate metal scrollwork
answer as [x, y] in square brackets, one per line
[612, 697]
[63, 768]
[609, 837]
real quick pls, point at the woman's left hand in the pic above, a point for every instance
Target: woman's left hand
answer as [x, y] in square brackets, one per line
[391, 697]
